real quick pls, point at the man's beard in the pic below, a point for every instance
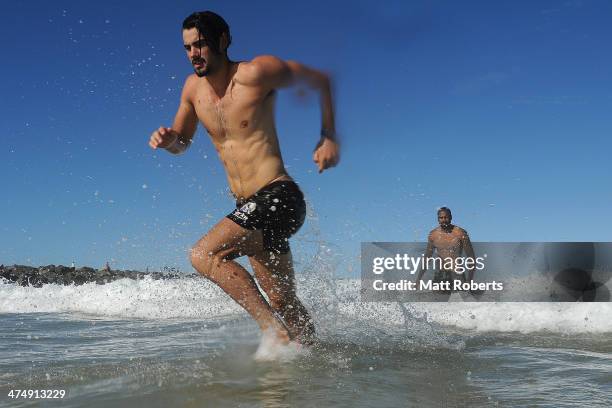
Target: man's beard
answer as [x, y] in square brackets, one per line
[201, 72]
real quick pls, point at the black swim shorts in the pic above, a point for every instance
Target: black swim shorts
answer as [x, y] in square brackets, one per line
[278, 210]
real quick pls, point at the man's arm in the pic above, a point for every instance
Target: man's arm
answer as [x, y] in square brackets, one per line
[469, 252]
[271, 73]
[178, 138]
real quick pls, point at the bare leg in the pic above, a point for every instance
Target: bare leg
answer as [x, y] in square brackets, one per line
[276, 277]
[213, 258]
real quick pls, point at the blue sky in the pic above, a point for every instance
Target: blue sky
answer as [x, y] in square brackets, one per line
[497, 110]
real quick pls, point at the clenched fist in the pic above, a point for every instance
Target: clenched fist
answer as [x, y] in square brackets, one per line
[163, 137]
[326, 154]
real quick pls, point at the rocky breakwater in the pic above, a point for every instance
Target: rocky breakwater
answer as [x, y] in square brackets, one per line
[66, 275]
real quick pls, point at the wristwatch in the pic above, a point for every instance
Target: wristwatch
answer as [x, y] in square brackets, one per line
[328, 133]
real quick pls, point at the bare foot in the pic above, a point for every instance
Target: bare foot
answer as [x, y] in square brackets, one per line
[272, 348]
[283, 336]
[278, 331]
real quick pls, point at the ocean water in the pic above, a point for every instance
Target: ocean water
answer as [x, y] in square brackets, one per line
[184, 343]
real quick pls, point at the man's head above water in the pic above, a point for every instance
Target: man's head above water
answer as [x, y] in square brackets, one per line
[206, 37]
[444, 217]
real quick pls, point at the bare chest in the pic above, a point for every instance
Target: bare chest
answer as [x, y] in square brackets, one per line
[235, 113]
[448, 243]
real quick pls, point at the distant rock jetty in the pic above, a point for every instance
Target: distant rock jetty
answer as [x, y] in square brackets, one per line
[66, 275]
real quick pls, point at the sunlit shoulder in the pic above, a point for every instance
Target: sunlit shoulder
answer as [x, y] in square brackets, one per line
[263, 70]
[461, 232]
[190, 86]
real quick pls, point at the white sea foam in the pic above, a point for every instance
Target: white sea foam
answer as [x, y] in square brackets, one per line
[126, 298]
[523, 317]
[198, 298]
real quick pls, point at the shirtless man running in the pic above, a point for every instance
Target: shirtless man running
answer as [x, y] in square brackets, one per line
[234, 100]
[449, 241]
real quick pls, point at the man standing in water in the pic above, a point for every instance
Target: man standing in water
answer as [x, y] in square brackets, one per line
[235, 103]
[449, 241]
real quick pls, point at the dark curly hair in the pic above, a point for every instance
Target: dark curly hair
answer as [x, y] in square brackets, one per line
[211, 26]
[446, 210]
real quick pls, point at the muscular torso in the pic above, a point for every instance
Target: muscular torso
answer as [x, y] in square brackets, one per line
[448, 244]
[241, 125]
